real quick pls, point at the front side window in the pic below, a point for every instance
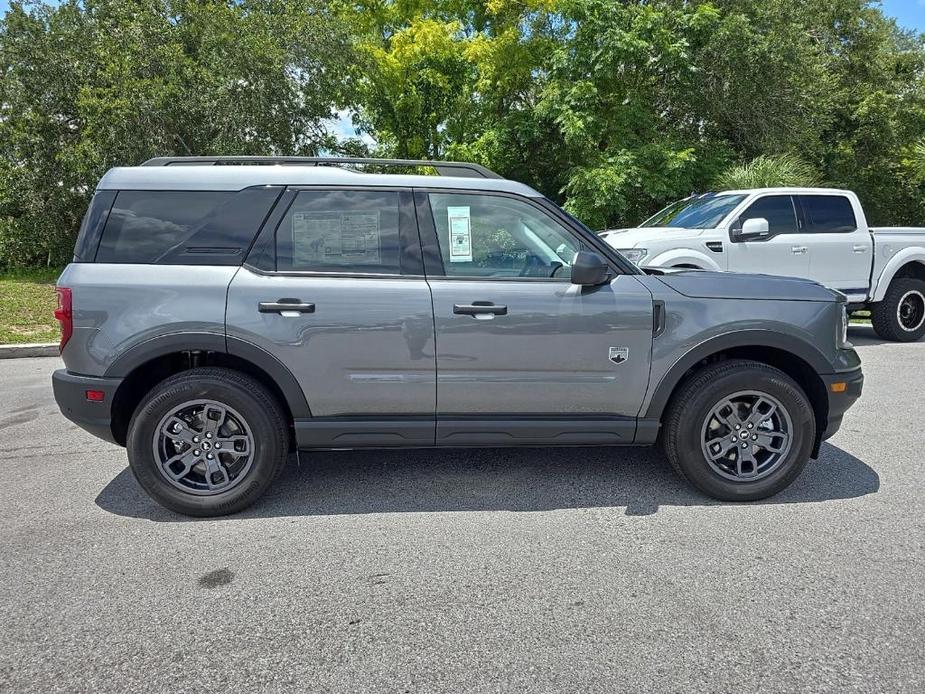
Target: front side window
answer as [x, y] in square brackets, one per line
[500, 237]
[343, 231]
[700, 212]
[777, 209]
[828, 214]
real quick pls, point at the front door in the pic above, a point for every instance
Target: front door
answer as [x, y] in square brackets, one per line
[523, 354]
[345, 307]
[785, 253]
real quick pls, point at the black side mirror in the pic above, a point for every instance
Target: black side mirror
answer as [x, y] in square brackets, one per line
[589, 269]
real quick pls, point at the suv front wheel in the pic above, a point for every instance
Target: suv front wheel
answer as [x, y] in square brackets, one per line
[207, 442]
[739, 430]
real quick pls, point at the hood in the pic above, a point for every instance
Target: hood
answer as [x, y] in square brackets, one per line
[632, 238]
[702, 284]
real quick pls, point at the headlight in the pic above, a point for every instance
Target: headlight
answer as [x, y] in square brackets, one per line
[634, 255]
[843, 333]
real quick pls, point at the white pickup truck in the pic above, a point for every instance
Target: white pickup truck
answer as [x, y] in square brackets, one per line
[818, 233]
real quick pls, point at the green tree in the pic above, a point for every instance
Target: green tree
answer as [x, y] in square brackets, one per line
[102, 83]
[918, 160]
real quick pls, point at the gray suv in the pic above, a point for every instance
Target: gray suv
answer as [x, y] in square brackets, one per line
[221, 312]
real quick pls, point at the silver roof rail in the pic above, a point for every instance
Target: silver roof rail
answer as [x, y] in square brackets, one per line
[444, 168]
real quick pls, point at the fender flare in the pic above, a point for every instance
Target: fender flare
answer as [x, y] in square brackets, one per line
[904, 257]
[686, 256]
[171, 343]
[742, 338]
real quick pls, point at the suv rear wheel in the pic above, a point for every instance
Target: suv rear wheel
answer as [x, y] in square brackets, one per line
[739, 430]
[900, 317]
[207, 442]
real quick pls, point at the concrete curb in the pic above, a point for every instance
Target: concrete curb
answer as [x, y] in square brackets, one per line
[45, 349]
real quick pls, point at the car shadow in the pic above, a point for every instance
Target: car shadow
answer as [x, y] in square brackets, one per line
[511, 479]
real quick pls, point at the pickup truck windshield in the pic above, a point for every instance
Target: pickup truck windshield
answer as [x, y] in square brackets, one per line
[700, 212]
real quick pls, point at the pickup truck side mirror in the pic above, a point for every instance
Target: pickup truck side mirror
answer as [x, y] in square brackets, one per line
[589, 269]
[755, 229]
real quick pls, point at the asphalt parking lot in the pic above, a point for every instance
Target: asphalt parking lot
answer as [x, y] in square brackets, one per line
[563, 570]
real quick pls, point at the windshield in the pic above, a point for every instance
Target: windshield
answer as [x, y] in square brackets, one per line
[700, 212]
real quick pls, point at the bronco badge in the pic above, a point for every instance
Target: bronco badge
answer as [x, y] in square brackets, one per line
[618, 355]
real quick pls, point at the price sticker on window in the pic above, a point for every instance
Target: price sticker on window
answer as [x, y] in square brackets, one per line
[460, 227]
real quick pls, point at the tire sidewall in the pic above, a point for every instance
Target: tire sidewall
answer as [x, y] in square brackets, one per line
[170, 395]
[884, 315]
[690, 454]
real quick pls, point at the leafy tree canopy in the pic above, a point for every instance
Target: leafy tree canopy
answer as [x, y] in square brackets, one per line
[611, 107]
[91, 85]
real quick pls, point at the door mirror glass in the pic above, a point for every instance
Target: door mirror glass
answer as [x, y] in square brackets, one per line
[589, 269]
[754, 229]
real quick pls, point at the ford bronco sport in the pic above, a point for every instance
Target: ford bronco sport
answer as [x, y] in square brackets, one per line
[221, 312]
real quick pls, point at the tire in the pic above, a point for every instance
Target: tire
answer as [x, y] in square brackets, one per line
[690, 421]
[900, 317]
[218, 409]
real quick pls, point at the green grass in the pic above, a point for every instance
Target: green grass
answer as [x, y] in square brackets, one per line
[27, 300]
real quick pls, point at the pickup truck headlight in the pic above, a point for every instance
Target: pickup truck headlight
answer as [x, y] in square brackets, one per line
[634, 255]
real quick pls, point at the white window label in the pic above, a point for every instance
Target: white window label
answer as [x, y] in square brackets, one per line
[460, 234]
[335, 237]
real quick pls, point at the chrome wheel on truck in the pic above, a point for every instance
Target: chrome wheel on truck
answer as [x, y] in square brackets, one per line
[900, 316]
[911, 310]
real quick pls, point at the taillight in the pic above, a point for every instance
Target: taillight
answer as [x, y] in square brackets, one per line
[64, 315]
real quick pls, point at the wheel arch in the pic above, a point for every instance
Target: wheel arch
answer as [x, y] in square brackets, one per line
[799, 360]
[681, 257]
[152, 361]
[909, 262]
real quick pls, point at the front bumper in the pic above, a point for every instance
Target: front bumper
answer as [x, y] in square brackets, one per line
[841, 398]
[71, 395]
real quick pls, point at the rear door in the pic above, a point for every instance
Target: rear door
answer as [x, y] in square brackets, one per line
[523, 355]
[841, 251]
[335, 291]
[786, 252]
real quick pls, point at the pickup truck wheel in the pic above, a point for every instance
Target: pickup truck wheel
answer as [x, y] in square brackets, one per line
[207, 442]
[900, 317]
[739, 430]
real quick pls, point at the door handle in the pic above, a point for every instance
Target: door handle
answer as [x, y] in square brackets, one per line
[798, 250]
[285, 305]
[479, 308]
[860, 249]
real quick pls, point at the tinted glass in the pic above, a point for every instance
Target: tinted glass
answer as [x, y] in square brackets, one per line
[88, 238]
[777, 209]
[184, 227]
[701, 212]
[341, 231]
[493, 236]
[828, 213]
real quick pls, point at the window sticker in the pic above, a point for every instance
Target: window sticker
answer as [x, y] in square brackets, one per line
[460, 234]
[335, 238]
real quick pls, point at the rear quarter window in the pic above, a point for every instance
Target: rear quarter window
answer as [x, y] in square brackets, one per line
[184, 227]
[88, 238]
